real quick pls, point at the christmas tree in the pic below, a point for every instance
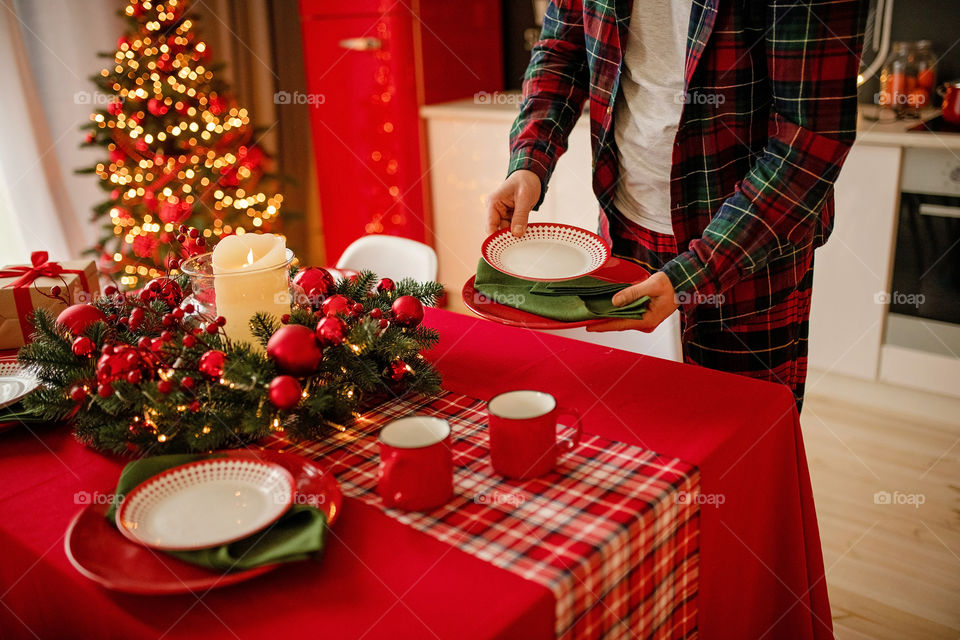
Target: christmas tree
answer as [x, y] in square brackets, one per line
[181, 152]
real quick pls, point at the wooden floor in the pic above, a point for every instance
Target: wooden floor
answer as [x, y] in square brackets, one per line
[893, 570]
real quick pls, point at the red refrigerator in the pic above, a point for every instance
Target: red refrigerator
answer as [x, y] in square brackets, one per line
[370, 65]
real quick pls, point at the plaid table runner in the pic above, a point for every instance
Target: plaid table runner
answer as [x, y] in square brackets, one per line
[612, 532]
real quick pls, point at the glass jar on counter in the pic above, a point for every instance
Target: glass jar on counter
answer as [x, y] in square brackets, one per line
[898, 79]
[926, 64]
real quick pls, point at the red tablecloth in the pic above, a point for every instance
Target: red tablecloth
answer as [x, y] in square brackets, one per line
[761, 570]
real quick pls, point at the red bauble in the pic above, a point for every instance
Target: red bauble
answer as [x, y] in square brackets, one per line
[331, 331]
[117, 156]
[157, 107]
[114, 107]
[82, 346]
[337, 305]
[78, 393]
[295, 350]
[285, 392]
[175, 211]
[407, 311]
[398, 370]
[76, 318]
[316, 282]
[385, 285]
[211, 363]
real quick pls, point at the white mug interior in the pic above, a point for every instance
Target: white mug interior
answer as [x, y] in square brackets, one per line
[522, 405]
[415, 432]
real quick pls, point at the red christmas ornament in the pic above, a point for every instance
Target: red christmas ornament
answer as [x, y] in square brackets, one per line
[337, 305]
[105, 390]
[398, 370]
[89, 138]
[331, 331]
[316, 282]
[174, 210]
[385, 285]
[77, 393]
[376, 313]
[82, 346]
[285, 392]
[114, 107]
[144, 246]
[217, 105]
[407, 311]
[211, 363]
[295, 350]
[76, 318]
[117, 156]
[164, 386]
[157, 107]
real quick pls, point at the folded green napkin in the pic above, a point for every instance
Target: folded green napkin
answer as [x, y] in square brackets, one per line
[568, 301]
[298, 535]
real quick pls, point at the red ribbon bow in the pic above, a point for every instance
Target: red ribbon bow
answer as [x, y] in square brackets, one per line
[40, 267]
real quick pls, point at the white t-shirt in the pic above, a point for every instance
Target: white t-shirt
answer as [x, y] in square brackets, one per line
[648, 109]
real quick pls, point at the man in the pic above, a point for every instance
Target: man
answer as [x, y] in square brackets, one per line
[718, 129]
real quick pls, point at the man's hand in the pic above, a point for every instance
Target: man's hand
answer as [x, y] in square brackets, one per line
[662, 303]
[512, 202]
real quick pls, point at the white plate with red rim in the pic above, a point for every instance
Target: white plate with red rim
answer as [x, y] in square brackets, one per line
[546, 252]
[206, 503]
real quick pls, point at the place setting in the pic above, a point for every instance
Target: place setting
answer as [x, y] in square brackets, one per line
[553, 276]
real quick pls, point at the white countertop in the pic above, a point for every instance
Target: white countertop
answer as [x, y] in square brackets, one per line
[503, 107]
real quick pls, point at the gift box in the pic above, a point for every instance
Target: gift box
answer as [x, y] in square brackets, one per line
[24, 289]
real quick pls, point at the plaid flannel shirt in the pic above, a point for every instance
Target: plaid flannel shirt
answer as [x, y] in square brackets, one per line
[769, 115]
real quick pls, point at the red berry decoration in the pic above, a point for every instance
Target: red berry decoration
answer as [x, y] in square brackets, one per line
[331, 331]
[316, 282]
[76, 318]
[164, 386]
[385, 285]
[376, 313]
[77, 393]
[163, 289]
[295, 350]
[187, 382]
[285, 392]
[105, 390]
[83, 346]
[157, 107]
[211, 363]
[407, 311]
[189, 341]
[337, 305]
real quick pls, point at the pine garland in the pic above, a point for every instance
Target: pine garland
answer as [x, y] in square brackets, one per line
[160, 411]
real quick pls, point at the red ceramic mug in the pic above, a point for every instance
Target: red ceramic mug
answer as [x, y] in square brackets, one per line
[523, 433]
[416, 463]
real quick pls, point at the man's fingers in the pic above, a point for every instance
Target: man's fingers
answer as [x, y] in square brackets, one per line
[494, 217]
[521, 210]
[631, 293]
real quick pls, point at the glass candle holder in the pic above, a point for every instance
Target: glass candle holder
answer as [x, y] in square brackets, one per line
[238, 295]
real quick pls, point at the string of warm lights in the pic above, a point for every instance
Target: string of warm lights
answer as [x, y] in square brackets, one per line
[180, 151]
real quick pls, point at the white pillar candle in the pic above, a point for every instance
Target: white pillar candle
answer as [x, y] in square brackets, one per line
[250, 276]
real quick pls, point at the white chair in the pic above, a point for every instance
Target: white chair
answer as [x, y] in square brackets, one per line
[390, 257]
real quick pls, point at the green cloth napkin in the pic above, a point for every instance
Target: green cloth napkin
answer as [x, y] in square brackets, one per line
[298, 535]
[568, 301]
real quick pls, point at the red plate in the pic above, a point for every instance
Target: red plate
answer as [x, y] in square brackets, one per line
[100, 552]
[613, 270]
